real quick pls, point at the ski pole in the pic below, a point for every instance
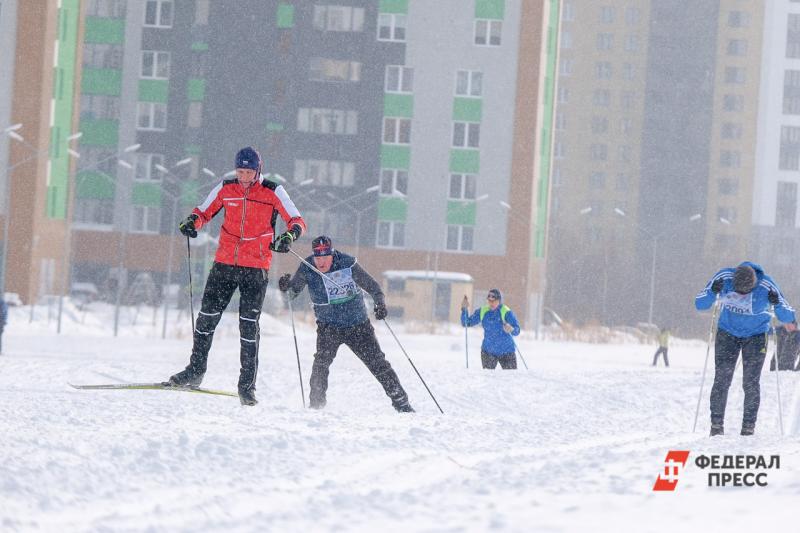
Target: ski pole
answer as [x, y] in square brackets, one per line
[191, 293]
[296, 350]
[520, 356]
[777, 378]
[466, 344]
[705, 364]
[412, 364]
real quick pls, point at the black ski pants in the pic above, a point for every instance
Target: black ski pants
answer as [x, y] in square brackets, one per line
[222, 281]
[508, 361]
[661, 350]
[726, 354]
[361, 339]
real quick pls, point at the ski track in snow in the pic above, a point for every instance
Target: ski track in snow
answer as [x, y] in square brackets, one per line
[574, 444]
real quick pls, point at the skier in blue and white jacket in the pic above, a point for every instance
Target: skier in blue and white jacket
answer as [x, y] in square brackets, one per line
[499, 324]
[745, 295]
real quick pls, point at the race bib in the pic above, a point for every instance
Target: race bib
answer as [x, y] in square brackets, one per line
[342, 288]
[741, 304]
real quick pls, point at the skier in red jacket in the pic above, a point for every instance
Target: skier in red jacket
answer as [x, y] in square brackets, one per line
[252, 205]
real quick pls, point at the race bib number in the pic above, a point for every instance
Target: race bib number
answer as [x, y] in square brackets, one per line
[741, 304]
[342, 288]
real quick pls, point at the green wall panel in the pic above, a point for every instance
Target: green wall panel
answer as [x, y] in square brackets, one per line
[147, 194]
[461, 213]
[103, 81]
[285, 15]
[154, 91]
[101, 30]
[94, 184]
[467, 109]
[398, 105]
[392, 209]
[394, 156]
[489, 9]
[393, 6]
[100, 132]
[196, 89]
[466, 161]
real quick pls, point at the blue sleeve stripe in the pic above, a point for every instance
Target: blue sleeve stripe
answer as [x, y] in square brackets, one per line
[724, 274]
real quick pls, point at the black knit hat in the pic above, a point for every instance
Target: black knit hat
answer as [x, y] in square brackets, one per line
[322, 245]
[249, 158]
[744, 279]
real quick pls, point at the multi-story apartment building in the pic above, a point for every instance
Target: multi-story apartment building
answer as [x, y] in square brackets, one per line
[416, 133]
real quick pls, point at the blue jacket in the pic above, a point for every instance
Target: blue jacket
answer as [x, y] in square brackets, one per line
[745, 315]
[495, 340]
[343, 305]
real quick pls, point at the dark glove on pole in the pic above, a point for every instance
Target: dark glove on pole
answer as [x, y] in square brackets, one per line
[716, 287]
[773, 298]
[283, 282]
[380, 311]
[187, 226]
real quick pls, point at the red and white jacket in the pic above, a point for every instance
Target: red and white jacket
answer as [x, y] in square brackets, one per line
[250, 216]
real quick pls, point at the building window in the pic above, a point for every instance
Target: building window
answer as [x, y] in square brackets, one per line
[597, 180]
[731, 130]
[566, 40]
[565, 67]
[561, 120]
[469, 83]
[488, 32]
[334, 70]
[338, 18]
[201, 11]
[460, 238]
[738, 19]
[728, 186]
[791, 92]
[632, 16]
[601, 97]
[106, 8]
[605, 41]
[632, 43]
[391, 27]
[99, 107]
[728, 213]
[628, 71]
[151, 116]
[730, 159]
[194, 115]
[599, 124]
[627, 99]
[394, 181]
[603, 70]
[793, 36]
[466, 134]
[598, 152]
[625, 153]
[396, 285]
[391, 234]
[559, 150]
[462, 187]
[626, 126]
[329, 121]
[399, 79]
[737, 47]
[568, 12]
[735, 102]
[155, 65]
[324, 172]
[102, 56]
[396, 130]
[158, 13]
[623, 182]
[94, 211]
[145, 169]
[145, 219]
[734, 75]
[786, 204]
[563, 95]
[607, 14]
[789, 158]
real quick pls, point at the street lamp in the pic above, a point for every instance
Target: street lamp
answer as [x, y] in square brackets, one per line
[655, 238]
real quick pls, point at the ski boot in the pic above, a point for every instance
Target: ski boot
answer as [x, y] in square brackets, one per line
[317, 404]
[248, 397]
[186, 378]
[717, 429]
[404, 408]
[748, 430]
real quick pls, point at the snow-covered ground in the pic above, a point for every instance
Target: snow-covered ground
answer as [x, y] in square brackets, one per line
[573, 444]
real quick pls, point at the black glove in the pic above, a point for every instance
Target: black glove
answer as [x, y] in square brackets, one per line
[380, 310]
[187, 226]
[284, 241]
[716, 287]
[283, 282]
[773, 298]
